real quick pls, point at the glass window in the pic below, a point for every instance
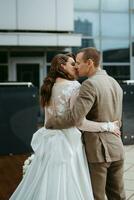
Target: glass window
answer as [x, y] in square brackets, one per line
[48, 68]
[28, 73]
[132, 4]
[90, 43]
[87, 42]
[87, 23]
[120, 73]
[86, 4]
[117, 55]
[27, 54]
[115, 24]
[115, 5]
[115, 50]
[3, 57]
[84, 27]
[132, 24]
[133, 49]
[51, 54]
[3, 73]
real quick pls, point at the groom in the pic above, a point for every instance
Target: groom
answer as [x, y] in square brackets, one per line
[100, 99]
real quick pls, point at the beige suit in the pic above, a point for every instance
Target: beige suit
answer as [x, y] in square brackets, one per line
[100, 99]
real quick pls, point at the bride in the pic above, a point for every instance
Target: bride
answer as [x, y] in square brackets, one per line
[59, 170]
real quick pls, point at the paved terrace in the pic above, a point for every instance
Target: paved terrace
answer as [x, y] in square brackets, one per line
[129, 171]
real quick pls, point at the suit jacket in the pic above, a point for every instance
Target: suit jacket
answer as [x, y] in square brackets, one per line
[100, 99]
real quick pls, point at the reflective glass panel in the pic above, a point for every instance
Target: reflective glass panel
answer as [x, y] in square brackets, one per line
[115, 24]
[86, 42]
[86, 4]
[115, 50]
[133, 48]
[132, 25]
[87, 23]
[132, 4]
[118, 72]
[115, 5]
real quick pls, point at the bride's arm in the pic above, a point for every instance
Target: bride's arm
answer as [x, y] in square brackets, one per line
[92, 126]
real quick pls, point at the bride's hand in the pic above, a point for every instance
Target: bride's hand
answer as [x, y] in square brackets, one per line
[114, 128]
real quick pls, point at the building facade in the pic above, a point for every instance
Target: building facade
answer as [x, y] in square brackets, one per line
[109, 26]
[33, 31]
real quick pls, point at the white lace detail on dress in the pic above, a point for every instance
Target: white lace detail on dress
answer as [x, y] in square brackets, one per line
[60, 100]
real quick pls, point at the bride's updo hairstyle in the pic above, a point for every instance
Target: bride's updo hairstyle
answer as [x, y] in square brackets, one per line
[56, 70]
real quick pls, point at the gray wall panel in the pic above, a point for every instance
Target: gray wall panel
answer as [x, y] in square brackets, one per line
[43, 15]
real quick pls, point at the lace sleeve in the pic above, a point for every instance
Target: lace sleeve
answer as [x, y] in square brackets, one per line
[87, 125]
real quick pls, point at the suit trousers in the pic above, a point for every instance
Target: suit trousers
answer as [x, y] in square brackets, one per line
[107, 180]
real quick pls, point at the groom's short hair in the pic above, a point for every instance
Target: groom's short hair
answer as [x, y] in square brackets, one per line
[91, 53]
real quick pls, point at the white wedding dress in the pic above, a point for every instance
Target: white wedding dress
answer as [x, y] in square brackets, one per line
[59, 170]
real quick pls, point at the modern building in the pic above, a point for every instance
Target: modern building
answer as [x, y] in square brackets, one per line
[33, 31]
[109, 26]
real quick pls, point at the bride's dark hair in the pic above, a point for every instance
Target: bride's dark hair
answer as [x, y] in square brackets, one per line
[55, 71]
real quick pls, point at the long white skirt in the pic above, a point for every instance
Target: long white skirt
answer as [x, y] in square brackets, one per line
[59, 170]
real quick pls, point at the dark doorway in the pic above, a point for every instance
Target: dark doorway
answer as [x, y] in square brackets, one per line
[28, 73]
